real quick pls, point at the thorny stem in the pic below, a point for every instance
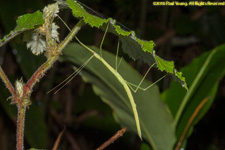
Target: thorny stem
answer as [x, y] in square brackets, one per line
[48, 64]
[7, 82]
[23, 101]
[20, 124]
[36, 77]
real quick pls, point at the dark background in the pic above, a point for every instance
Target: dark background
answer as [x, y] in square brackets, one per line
[180, 34]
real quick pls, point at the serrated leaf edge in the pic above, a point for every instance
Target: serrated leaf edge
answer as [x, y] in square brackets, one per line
[75, 6]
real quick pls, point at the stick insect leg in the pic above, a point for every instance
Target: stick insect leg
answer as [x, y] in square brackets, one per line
[73, 75]
[131, 85]
[117, 52]
[103, 38]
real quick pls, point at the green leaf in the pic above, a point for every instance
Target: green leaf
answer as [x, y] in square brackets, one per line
[29, 21]
[203, 76]
[145, 146]
[155, 119]
[79, 12]
[8, 16]
[25, 22]
[136, 48]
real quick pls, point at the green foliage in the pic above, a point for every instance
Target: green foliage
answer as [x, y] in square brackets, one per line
[145, 146]
[133, 46]
[29, 21]
[202, 76]
[25, 22]
[156, 122]
[79, 12]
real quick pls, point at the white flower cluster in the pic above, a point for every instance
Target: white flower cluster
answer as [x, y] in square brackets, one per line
[38, 44]
[55, 33]
[19, 87]
[51, 11]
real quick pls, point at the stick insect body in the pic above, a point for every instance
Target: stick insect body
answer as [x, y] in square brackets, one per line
[126, 85]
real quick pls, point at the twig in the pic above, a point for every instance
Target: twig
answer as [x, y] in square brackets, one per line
[190, 122]
[112, 139]
[49, 63]
[58, 139]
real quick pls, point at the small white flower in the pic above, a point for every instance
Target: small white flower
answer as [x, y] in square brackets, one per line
[55, 33]
[19, 87]
[51, 11]
[37, 45]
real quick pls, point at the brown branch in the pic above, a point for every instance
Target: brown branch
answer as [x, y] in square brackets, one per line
[112, 139]
[193, 116]
[58, 139]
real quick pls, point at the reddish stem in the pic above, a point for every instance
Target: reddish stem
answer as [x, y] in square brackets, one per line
[7, 82]
[52, 59]
[112, 139]
[38, 74]
[27, 89]
[20, 125]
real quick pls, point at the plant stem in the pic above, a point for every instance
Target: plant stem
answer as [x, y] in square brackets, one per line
[71, 35]
[112, 139]
[190, 121]
[20, 124]
[27, 89]
[7, 82]
[49, 63]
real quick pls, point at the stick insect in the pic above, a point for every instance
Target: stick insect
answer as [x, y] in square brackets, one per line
[132, 86]
[126, 85]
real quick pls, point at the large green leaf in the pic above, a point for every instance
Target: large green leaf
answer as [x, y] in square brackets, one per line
[155, 119]
[136, 48]
[202, 76]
